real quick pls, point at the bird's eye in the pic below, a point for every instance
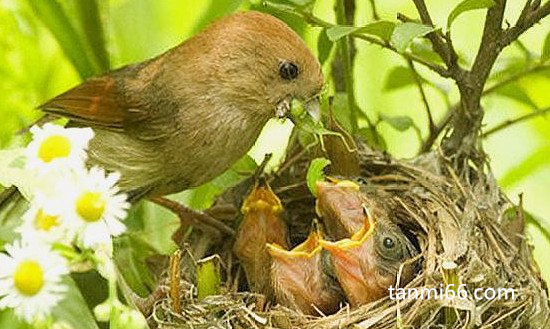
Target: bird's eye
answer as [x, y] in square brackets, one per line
[390, 247]
[388, 243]
[288, 70]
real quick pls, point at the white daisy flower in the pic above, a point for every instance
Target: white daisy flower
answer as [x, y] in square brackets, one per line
[44, 222]
[96, 209]
[54, 146]
[30, 280]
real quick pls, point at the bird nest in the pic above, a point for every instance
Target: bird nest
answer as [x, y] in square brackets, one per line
[469, 234]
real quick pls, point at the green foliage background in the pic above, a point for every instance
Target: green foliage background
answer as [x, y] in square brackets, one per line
[41, 57]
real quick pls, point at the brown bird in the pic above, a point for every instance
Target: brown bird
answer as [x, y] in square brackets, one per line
[299, 278]
[262, 224]
[369, 260]
[178, 120]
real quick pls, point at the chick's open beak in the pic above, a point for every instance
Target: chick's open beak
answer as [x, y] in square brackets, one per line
[262, 223]
[340, 205]
[299, 280]
[354, 264]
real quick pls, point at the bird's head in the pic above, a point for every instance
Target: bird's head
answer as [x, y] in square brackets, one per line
[369, 257]
[261, 65]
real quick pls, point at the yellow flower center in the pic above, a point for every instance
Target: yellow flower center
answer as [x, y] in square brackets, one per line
[90, 206]
[55, 146]
[28, 278]
[45, 222]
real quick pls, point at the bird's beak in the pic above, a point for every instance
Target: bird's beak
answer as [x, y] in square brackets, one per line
[299, 280]
[340, 205]
[313, 107]
[353, 263]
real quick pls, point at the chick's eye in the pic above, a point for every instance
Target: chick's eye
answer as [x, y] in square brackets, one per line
[390, 247]
[288, 70]
[388, 243]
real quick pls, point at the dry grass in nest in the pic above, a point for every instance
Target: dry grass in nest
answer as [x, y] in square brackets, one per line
[456, 219]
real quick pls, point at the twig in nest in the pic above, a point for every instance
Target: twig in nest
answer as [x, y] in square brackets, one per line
[175, 297]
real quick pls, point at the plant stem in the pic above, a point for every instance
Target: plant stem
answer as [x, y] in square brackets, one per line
[344, 44]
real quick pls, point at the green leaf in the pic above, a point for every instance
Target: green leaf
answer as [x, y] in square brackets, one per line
[315, 173]
[465, 6]
[400, 122]
[324, 46]
[216, 10]
[405, 33]
[8, 319]
[203, 196]
[73, 308]
[374, 139]
[130, 253]
[209, 277]
[90, 20]
[516, 92]
[527, 167]
[381, 29]
[541, 224]
[52, 15]
[545, 49]
[399, 77]
[335, 33]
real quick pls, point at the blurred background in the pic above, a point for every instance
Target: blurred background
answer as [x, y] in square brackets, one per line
[41, 58]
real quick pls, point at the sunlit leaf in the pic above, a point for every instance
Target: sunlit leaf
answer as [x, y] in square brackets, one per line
[203, 196]
[515, 92]
[381, 29]
[545, 49]
[9, 320]
[209, 279]
[73, 308]
[373, 138]
[399, 122]
[534, 162]
[90, 20]
[423, 49]
[131, 253]
[399, 77]
[405, 33]
[52, 15]
[215, 10]
[465, 6]
[542, 224]
[315, 173]
[324, 46]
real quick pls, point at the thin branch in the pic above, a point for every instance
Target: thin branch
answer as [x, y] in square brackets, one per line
[418, 81]
[374, 11]
[441, 47]
[427, 145]
[432, 66]
[528, 18]
[511, 122]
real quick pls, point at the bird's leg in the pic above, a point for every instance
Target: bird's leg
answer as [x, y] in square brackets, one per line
[201, 220]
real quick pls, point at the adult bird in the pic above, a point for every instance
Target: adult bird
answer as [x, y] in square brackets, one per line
[180, 119]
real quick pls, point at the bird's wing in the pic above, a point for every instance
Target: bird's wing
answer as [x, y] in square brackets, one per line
[97, 102]
[106, 102]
